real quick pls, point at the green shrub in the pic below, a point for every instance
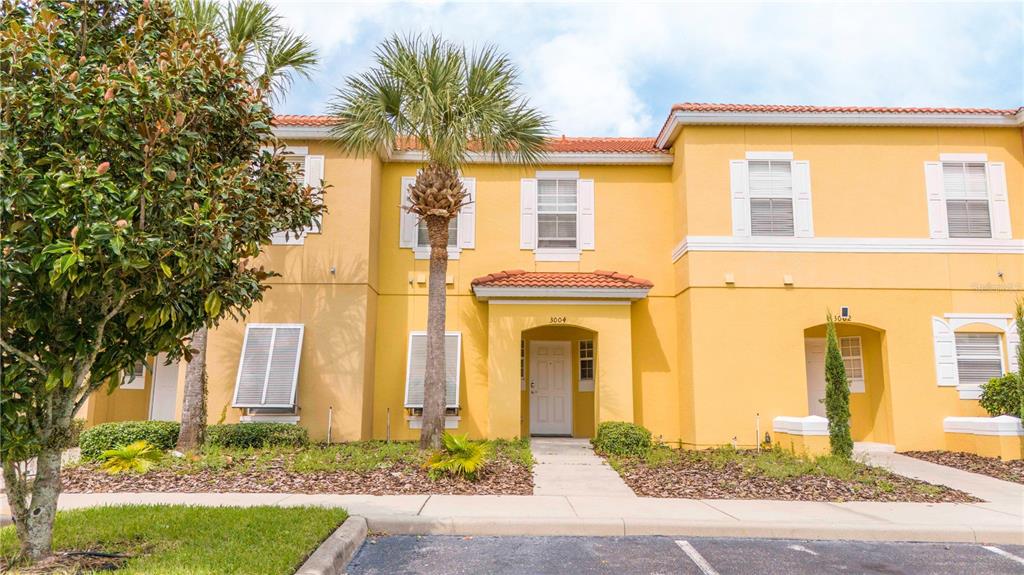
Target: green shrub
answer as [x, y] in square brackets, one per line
[621, 438]
[460, 457]
[1002, 395]
[136, 457]
[162, 435]
[257, 434]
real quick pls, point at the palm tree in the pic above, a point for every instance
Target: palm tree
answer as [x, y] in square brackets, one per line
[449, 102]
[272, 55]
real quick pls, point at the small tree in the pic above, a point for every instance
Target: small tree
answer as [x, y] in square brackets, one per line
[1019, 323]
[837, 394]
[449, 103]
[134, 192]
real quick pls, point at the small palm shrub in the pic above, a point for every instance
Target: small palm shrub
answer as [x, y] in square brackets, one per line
[99, 438]
[622, 438]
[459, 457]
[136, 457]
[256, 435]
[1002, 395]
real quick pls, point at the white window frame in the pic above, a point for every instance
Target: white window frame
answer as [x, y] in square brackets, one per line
[987, 199]
[975, 388]
[751, 196]
[465, 223]
[458, 369]
[135, 380]
[421, 252]
[295, 373]
[291, 239]
[856, 384]
[996, 194]
[586, 384]
[944, 330]
[800, 195]
[563, 176]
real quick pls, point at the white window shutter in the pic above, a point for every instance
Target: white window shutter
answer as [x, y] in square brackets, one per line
[999, 201]
[585, 205]
[417, 363]
[803, 214]
[467, 216]
[938, 226]
[314, 175]
[945, 353]
[407, 221]
[528, 213]
[1012, 341]
[268, 369]
[740, 192]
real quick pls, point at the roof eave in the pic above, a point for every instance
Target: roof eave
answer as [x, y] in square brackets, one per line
[484, 293]
[679, 118]
[557, 158]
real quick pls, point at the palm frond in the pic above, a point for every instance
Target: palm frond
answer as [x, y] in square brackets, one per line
[199, 15]
[285, 56]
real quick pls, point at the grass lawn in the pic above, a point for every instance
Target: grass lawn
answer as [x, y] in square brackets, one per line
[727, 473]
[183, 540]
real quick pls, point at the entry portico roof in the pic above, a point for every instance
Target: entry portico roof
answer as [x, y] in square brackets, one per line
[599, 284]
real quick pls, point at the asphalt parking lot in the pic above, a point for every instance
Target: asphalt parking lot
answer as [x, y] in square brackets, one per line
[410, 554]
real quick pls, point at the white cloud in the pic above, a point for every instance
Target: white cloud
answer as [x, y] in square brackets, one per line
[607, 69]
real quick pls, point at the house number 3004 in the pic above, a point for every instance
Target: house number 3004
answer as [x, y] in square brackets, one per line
[558, 319]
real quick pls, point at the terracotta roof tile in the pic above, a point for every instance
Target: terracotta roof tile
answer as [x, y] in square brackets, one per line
[708, 107]
[599, 280]
[300, 120]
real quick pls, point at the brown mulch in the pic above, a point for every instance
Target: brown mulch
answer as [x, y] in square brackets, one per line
[69, 563]
[1012, 470]
[499, 477]
[695, 477]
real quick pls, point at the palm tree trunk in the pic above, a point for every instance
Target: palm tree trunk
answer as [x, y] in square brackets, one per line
[193, 408]
[434, 381]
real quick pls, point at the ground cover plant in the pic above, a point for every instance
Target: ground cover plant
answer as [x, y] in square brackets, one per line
[177, 539]
[373, 467]
[1012, 470]
[727, 473]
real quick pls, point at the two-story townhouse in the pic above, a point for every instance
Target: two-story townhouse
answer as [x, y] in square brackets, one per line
[681, 282]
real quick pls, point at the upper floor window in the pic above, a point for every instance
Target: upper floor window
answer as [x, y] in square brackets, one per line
[423, 240]
[771, 197]
[556, 213]
[967, 207]
[308, 171]
[461, 229]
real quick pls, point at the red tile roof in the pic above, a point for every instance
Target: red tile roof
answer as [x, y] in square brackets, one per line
[707, 107]
[598, 279]
[300, 120]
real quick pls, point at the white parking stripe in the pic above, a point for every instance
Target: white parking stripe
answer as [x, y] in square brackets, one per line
[697, 558]
[801, 548]
[1006, 554]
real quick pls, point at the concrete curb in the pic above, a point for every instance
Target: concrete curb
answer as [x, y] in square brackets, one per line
[398, 525]
[333, 555]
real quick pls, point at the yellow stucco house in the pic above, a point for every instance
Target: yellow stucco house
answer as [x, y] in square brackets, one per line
[680, 282]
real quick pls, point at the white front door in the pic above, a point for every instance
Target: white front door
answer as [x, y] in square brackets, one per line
[814, 354]
[162, 401]
[550, 388]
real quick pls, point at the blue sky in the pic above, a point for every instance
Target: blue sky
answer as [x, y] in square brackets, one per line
[614, 69]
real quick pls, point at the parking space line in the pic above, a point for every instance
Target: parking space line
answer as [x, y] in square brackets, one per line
[697, 558]
[1006, 554]
[801, 548]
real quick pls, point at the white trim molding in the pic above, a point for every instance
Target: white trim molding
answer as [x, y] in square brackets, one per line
[769, 155]
[423, 252]
[557, 254]
[809, 425]
[1004, 425]
[680, 118]
[963, 157]
[558, 302]
[557, 158]
[269, 418]
[847, 245]
[484, 293]
[416, 421]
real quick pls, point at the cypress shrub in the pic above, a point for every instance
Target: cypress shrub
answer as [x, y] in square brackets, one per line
[837, 395]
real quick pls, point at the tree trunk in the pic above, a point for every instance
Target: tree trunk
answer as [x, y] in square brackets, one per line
[434, 381]
[193, 408]
[33, 517]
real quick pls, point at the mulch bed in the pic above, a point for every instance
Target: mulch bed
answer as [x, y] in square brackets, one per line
[1012, 470]
[695, 478]
[69, 563]
[500, 477]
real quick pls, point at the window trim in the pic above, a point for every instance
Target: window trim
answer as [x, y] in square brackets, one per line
[133, 380]
[860, 382]
[946, 199]
[423, 252]
[295, 372]
[973, 390]
[751, 196]
[558, 253]
[408, 369]
[586, 384]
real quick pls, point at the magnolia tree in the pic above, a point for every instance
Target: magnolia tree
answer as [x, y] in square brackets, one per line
[134, 191]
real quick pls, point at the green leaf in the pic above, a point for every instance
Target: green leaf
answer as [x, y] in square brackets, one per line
[212, 304]
[166, 268]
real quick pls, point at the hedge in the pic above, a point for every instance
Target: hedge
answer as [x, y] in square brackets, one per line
[622, 438]
[257, 434]
[1001, 395]
[95, 440]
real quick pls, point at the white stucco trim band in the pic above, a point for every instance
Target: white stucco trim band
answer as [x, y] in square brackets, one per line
[809, 425]
[846, 245]
[1004, 425]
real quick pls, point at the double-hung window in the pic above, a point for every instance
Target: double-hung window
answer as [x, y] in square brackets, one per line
[423, 240]
[556, 213]
[979, 358]
[461, 229]
[587, 365]
[771, 197]
[853, 361]
[967, 199]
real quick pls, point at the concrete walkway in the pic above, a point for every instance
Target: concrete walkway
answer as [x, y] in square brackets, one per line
[570, 467]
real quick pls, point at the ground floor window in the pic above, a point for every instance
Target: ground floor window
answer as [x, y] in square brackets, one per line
[416, 369]
[979, 357]
[586, 365]
[853, 361]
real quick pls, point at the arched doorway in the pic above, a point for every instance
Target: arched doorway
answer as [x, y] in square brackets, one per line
[558, 370]
[863, 350]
